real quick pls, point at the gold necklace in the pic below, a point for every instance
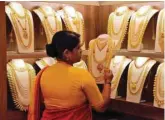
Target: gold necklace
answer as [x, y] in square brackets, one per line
[123, 27]
[117, 13]
[52, 30]
[90, 59]
[113, 32]
[106, 62]
[132, 85]
[145, 13]
[80, 64]
[142, 64]
[47, 25]
[115, 64]
[138, 67]
[135, 38]
[161, 30]
[100, 45]
[19, 69]
[157, 86]
[16, 15]
[43, 63]
[15, 85]
[77, 22]
[18, 32]
[118, 75]
[94, 56]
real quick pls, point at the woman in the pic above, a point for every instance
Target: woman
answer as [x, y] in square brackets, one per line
[68, 92]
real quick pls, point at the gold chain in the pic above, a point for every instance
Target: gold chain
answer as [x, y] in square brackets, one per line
[145, 13]
[100, 45]
[80, 64]
[117, 13]
[13, 83]
[118, 75]
[18, 15]
[18, 32]
[161, 30]
[112, 18]
[107, 51]
[107, 60]
[24, 17]
[123, 27]
[43, 62]
[132, 85]
[19, 69]
[48, 26]
[135, 39]
[90, 59]
[46, 20]
[79, 24]
[157, 89]
[135, 63]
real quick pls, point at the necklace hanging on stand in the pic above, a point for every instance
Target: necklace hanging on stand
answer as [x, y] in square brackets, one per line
[135, 37]
[118, 74]
[136, 86]
[118, 35]
[49, 30]
[100, 47]
[75, 24]
[161, 30]
[158, 89]
[24, 34]
[101, 64]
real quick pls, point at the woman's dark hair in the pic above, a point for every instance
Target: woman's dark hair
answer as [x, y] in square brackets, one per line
[62, 40]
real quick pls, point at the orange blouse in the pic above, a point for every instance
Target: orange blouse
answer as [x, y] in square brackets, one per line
[65, 86]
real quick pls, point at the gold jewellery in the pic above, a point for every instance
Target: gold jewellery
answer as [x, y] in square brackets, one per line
[161, 30]
[145, 13]
[135, 38]
[48, 27]
[43, 62]
[115, 80]
[20, 93]
[75, 24]
[80, 64]
[105, 62]
[27, 34]
[125, 15]
[143, 74]
[158, 91]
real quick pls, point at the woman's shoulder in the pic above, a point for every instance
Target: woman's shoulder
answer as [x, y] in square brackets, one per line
[80, 71]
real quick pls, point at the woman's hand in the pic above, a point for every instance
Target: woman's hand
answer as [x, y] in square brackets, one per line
[108, 76]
